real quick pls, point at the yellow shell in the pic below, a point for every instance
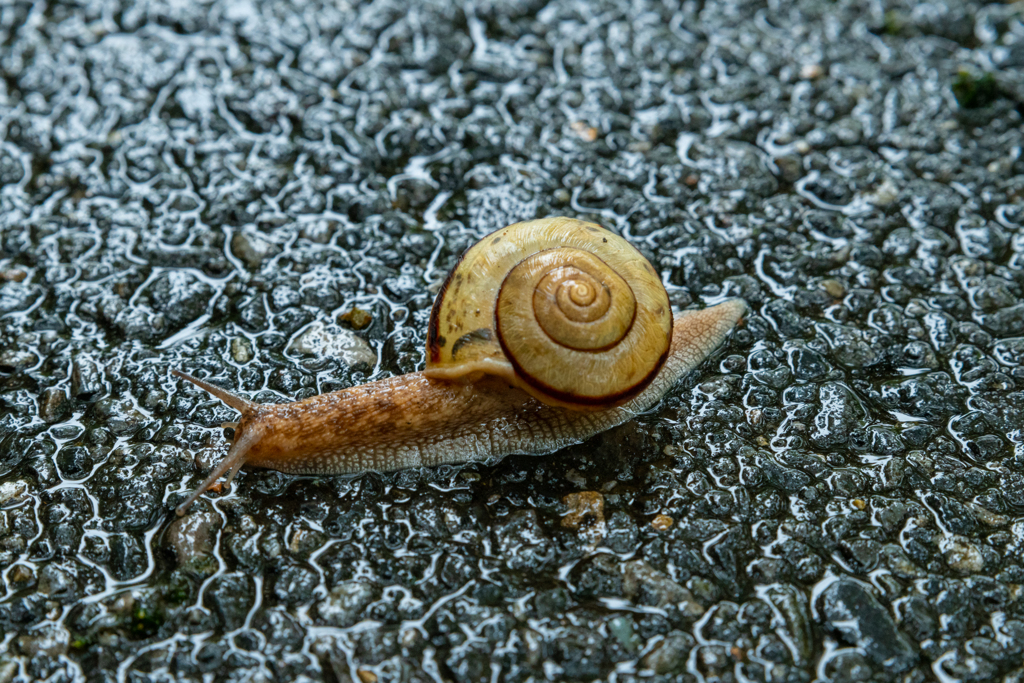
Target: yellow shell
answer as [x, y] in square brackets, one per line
[565, 310]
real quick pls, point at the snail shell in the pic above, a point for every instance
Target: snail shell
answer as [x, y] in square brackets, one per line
[565, 310]
[546, 333]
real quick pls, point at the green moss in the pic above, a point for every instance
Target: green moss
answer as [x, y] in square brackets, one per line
[973, 91]
[179, 589]
[893, 23]
[146, 620]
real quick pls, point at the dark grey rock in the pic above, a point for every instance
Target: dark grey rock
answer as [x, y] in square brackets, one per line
[670, 655]
[86, 379]
[522, 542]
[54, 405]
[192, 538]
[180, 297]
[55, 580]
[857, 617]
[840, 410]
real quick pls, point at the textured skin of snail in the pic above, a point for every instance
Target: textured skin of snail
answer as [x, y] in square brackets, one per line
[481, 413]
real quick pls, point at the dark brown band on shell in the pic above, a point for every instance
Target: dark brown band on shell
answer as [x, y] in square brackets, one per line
[434, 344]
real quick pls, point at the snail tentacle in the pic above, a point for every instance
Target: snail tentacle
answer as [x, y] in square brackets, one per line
[249, 431]
[233, 400]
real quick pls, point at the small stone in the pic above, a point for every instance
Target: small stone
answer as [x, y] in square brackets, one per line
[641, 580]
[662, 522]
[141, 322]
[962, 556]
[790, 167]
[366, 676]
[22, 576]
[294, 585]
[522, 544]
[232, 596]
[356, 318]
[305, 542]
[670, 655]
[838, 414]
[322, 340]
[54, 405]
[621, 629]
[12, 490]
[575, 478]
[51, 641]
[584, 131]
[181, 296]
[833, 288]
[12, 275]
[86, 379]
[848, 667]
[241, 350]
[344, 605]
[123, 604]
[980, 238]
[319, 232]
[586, 508]
[193, 537]
[17, 359]
[859, 619]
[16, 296]
[791, 603]
[253, 248]
[8, 670]
[53, 580]
[885, 194]
[809, 72]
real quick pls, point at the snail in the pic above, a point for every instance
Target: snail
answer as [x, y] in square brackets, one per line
[545, 333]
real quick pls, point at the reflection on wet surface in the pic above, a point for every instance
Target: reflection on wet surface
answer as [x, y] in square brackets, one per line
[836, 495]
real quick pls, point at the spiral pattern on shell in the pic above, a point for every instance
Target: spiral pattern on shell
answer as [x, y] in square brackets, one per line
[566, 310]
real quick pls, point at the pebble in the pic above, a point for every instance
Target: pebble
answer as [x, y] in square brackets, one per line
[356, 318]
[193, 536]
[586, 510]
[54, 580]
[344, 605]
[86, 379]
[662, 522]
[54, 405]
[180, 296]
[857, 617]
[332, 341]
[22, 576]
[12, 275]
[11, 491]
[670, 655]
[962, 556]
[51, 641]
[241, 350]
[252, 248]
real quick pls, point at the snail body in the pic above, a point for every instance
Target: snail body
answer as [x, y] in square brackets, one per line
[596, 345]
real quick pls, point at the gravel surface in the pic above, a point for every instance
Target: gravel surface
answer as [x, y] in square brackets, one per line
[268, 195]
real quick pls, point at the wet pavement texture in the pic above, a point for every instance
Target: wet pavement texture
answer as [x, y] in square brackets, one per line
[268, 195]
